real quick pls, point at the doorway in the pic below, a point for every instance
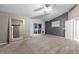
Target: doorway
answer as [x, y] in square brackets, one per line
[37, 29]
[72, 29]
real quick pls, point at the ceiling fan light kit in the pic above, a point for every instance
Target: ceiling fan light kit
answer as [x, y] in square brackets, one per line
[48, 10]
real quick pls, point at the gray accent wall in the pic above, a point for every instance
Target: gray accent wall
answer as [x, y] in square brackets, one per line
[58, 31]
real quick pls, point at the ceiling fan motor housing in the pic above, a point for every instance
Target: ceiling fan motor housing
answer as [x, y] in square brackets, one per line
[47, 5]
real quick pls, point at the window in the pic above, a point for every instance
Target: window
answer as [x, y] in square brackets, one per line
[55, 24]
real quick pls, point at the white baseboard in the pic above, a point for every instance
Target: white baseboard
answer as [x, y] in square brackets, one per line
[2, 43]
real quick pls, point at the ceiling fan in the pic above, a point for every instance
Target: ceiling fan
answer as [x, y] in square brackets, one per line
[43, 6]
[46, 10]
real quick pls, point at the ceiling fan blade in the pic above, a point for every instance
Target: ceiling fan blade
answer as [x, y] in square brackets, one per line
[38, 9]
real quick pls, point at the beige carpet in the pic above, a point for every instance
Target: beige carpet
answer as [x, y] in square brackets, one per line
[47, 44]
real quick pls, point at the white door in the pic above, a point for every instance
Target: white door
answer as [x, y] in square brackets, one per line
[72, 29]
[69, 29]
[76, 30]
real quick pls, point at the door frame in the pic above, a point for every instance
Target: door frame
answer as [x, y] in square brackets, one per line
[35, 35]
[11, 31]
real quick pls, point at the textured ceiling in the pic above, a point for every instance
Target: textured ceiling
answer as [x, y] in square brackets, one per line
[28, 10]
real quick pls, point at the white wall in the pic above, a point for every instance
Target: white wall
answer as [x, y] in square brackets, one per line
[74, 13]
[32, 21]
